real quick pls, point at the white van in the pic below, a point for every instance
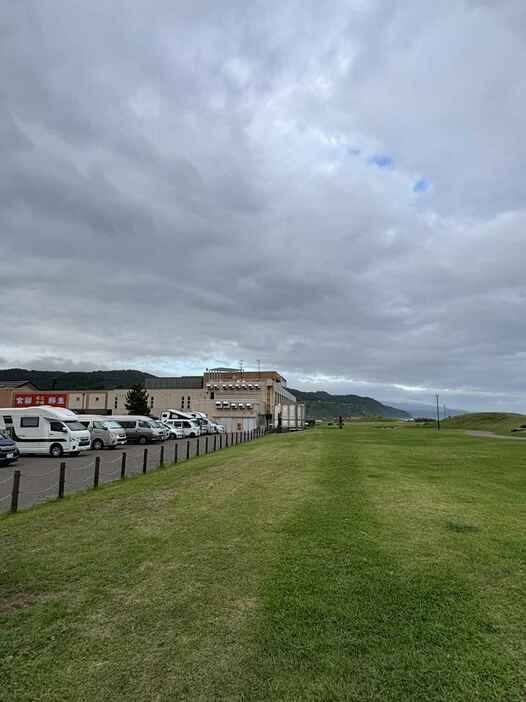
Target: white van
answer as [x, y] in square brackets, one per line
[188, 427]
[105, 432]
[199, 418]
[45, 430]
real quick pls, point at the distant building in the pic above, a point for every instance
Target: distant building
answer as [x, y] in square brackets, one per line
[10, 389]
[237, 399]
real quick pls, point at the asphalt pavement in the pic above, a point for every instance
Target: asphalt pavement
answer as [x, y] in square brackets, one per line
[40, 475]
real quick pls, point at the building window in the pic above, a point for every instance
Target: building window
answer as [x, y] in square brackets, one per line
[115, 402]
[182, 402]
[212, 395]
[188, 402]
[151, 401]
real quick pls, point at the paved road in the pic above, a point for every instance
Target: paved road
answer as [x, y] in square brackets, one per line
[39, 475]
[492, 435]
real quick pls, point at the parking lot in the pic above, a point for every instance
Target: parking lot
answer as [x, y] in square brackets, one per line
[40, 475]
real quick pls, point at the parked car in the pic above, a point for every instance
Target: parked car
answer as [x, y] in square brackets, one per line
[216, 428]
[198, 418]
[189, 427]
[45, 430]
[8, 450]
[104, 432]
[139, 430]
[165, 432]
[175, 432]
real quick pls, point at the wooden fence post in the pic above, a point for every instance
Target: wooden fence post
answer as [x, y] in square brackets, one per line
[197, 447]
[123, 465]
[206, 445]
[161, 457]
[15, 491]
[145, 461]
[188, 449]
[61, 480]
[96, 474]
[176, 450]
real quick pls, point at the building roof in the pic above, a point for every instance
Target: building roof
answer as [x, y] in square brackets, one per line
[188, 382]
[218, 374]
[17, 384]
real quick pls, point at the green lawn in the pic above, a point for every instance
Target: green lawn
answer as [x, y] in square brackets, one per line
[361, 564]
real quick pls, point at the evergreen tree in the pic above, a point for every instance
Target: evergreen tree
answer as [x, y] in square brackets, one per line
[137, 400]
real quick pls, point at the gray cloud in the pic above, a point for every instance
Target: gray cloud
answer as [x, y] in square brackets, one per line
[191, 184]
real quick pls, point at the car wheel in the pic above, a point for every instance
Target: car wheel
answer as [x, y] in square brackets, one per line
[98, 444]
[55, 450]
[142, 439]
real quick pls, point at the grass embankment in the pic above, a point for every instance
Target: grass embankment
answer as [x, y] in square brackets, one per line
[362, 564]
[497, 422]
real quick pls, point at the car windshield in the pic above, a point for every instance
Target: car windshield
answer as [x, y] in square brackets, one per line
[113, 425]
[159, 425]
[74, 425]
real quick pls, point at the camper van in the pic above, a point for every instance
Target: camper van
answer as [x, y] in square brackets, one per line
[199, 418]
[45, 430]
[104, 432]
[140, 430]
[187, 428]
[175, 414]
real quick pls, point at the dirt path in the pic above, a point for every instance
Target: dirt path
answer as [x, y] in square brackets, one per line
[492, 435]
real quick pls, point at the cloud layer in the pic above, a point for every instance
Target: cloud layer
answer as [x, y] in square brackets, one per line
[333, 188]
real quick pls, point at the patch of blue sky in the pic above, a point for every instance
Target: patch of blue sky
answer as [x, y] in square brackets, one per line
[381, 160]
[421, 185]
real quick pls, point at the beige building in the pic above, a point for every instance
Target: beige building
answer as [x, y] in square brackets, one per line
[10, 390]
[239, 400]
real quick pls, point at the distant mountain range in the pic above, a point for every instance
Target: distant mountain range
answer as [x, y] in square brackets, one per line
[323, 405]
[417, 409]
[76, 380]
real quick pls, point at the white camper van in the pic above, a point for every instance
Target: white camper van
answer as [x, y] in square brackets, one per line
[176, 414]
[45, 430]
[198, 418]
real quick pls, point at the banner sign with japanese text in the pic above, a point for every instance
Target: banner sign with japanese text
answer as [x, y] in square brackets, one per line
[31, 399]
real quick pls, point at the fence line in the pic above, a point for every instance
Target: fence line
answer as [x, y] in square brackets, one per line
[98, 475]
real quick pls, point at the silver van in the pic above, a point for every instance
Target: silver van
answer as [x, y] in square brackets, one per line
[139, 430]
[104, 432]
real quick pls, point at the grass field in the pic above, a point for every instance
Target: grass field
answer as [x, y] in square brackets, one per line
[364, 564]
[497, 422]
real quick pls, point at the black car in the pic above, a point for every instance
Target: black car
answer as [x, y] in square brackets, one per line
[8, 450]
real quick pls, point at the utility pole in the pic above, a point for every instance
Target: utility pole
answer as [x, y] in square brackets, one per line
[259, 369]
[438, 412]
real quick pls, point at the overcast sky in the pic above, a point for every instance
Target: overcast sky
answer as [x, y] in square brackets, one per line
[335, 188]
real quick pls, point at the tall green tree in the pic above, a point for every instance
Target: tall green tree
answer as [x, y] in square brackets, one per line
[137, 400]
